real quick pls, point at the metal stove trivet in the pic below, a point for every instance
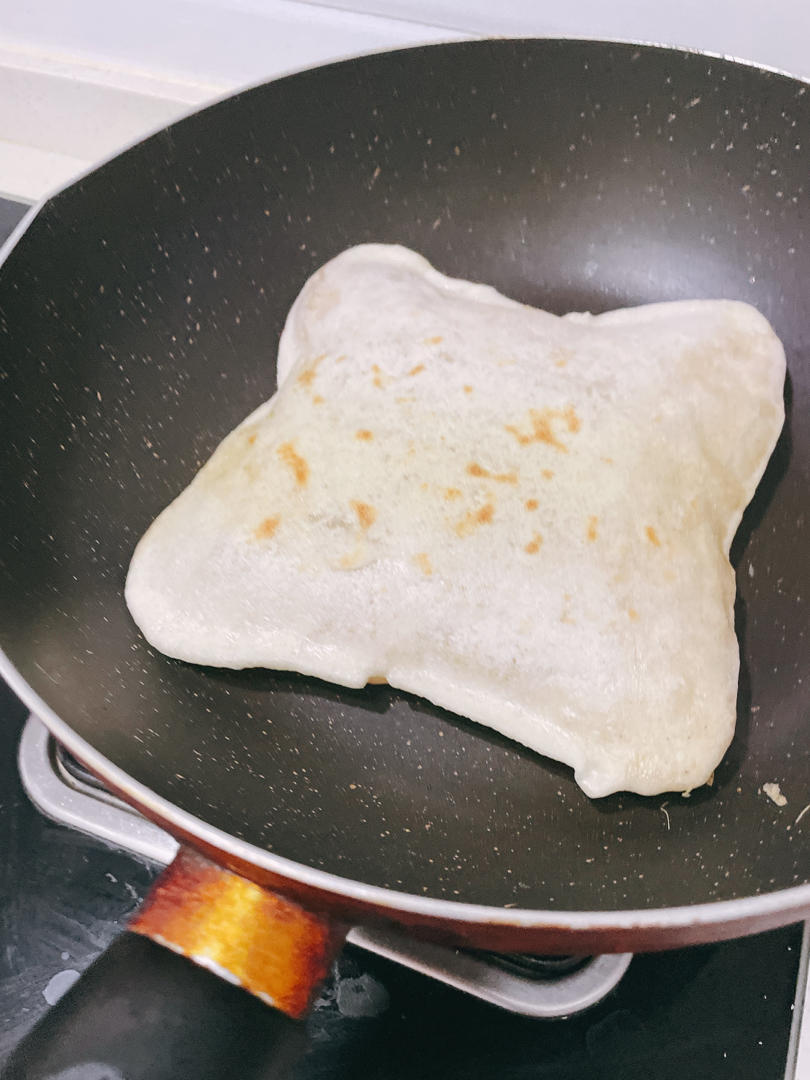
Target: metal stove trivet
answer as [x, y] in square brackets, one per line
[535, 986]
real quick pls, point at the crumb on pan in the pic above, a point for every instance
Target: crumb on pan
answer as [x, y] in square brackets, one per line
[774, 793]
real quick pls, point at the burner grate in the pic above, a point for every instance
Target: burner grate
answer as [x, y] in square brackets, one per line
[548, 987]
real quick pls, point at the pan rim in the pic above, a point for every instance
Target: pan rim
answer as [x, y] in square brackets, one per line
[708, 913]
[451, 41]
[794, 900]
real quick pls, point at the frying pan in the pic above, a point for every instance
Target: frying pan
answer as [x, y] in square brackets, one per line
[140, 310]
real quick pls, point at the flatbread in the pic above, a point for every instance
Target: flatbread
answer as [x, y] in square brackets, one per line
[525, 519]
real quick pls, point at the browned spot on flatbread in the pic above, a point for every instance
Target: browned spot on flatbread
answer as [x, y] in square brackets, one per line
[592, 532]
[548, 474]
[295, 462]
[366, 514]
[474, 469]
[471, 521]
[607, 460]
[373, 680]
[452, 493]
[307, 376]
[561, 356]
[267, 528]
[632, 613]
[415, 370]
[377, 375]
[572, 420]
[542, 423]
[251, 439]
[531, 504]
[652, 536]
[317, 399]
[534, 544]
[364, 434]
[422, 560]
[467, 388]
[437, 340]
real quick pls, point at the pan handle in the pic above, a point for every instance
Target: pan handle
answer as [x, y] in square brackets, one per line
[212, 981]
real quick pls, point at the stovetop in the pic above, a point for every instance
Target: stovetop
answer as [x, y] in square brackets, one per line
[718, 1011]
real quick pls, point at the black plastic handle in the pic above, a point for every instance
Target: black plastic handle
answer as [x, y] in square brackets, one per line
[141, 1012]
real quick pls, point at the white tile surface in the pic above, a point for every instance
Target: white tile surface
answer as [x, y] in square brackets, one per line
[776, 34]
[80, 81]
[63, 113]
[27, 173]
[58, 118]
[223, 43]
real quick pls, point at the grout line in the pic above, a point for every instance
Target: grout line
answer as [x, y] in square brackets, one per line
[108, 75]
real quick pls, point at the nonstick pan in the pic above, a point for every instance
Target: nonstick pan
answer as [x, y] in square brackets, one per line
[140, 311]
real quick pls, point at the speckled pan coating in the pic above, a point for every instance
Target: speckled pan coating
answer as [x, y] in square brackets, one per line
[139, 316]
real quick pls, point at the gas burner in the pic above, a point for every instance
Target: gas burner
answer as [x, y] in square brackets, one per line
[539, 986]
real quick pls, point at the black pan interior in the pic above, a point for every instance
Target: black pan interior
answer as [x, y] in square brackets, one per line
[139, 318]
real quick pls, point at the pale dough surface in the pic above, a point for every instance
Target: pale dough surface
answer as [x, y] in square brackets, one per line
[524, 518]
